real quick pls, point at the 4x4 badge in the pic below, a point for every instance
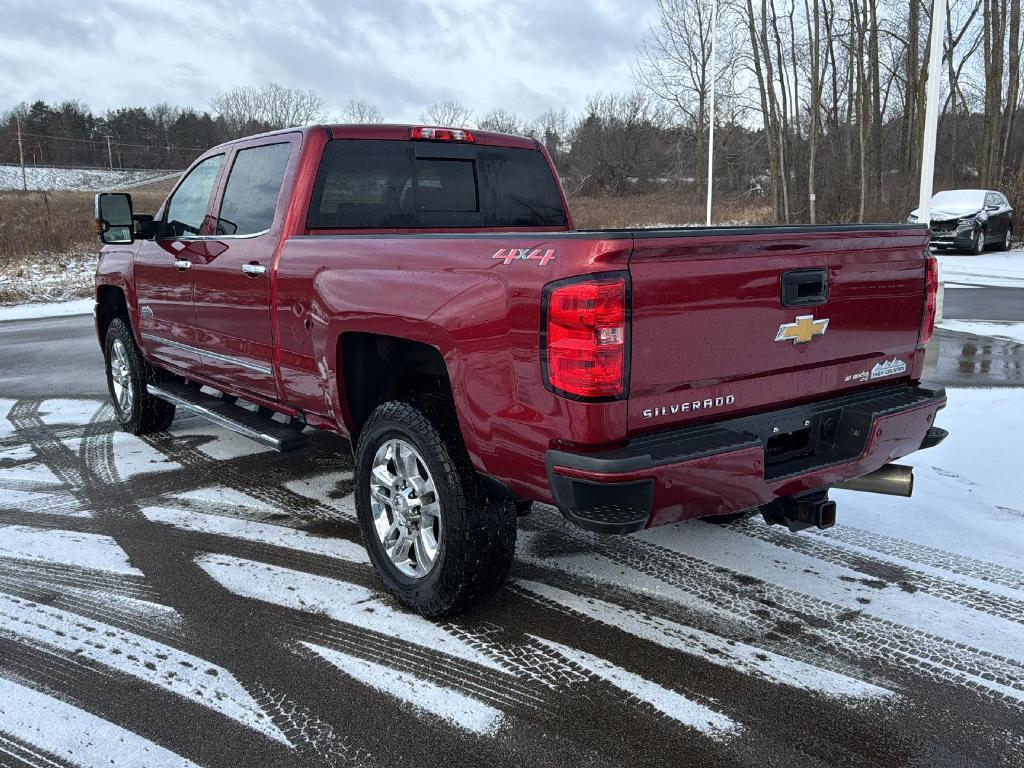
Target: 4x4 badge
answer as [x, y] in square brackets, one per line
[541, 255]
[803, 330]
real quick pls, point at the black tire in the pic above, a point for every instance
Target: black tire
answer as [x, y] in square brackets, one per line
[142, 413]
[978, 244]
[478, 533]
[1007, 243]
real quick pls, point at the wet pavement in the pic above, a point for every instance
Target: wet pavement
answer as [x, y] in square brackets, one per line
[965, 360]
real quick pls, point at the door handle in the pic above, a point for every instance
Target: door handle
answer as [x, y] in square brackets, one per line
[182, 264]
[804, 287]
[254, 270]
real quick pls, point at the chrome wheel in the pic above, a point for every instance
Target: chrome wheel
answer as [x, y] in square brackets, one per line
[1007, 240]
[121, 377]
[405, 508]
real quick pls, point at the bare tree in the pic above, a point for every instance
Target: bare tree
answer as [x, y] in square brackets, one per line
[360, 111]
[449, 113]
[502, 121]
[674, 62]
[269, 106]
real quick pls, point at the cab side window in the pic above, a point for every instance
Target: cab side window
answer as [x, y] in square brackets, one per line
[250, 197]
[187, 208]
[991, 199]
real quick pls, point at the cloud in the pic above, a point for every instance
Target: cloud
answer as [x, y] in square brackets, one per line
[521, 55]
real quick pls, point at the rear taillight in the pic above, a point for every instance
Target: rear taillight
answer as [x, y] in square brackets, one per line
[931, 299]
[440, 134]
[586, 337]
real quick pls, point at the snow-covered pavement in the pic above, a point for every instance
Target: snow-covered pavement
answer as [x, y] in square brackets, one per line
[190, 599]
[1005, 270]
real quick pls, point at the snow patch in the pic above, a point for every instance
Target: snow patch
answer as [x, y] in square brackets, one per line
[261, 533]
[132, 456]
[746, 659]
[670, 703]
[6, 428]
[425, 697]
[224, 444]
[63, 412]
[74, 735]
[47, 309]
[87, 550]
[994, 269]
[339, 600]
[226, 496]
[151, 662]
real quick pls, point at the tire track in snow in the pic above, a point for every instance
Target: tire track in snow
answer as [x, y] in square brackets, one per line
[80, 738]
[237, 475]
[501, 691]
[822, 548]
[741, 657]
[936, 558]
[148, 660]
[425, 697]
[341, 601]
[259, 533]
[678, 707]
[85, 550]
[859, 639]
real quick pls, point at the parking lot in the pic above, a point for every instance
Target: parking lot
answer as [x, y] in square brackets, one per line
[195, 598]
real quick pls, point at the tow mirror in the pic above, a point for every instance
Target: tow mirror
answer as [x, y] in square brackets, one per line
[114, 223]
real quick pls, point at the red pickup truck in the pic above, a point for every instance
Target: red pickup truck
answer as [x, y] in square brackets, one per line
[423, 292]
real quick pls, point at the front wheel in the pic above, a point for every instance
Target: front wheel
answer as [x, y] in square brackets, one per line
[978, 244]
[137, 411]
[437, 540]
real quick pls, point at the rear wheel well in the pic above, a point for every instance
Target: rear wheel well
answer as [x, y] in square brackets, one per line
[377, 369]
[110, 304]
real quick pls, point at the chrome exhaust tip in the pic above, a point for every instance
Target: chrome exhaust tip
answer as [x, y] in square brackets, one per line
[891, 480]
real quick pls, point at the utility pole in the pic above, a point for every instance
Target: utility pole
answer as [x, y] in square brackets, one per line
[711, 107]
[931, 123]
[21, 155]
[110, 155]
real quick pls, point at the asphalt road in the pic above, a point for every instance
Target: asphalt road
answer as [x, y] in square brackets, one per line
[188, 596]
[1005, 304]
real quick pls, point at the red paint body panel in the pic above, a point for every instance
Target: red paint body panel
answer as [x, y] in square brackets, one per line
[705, 307]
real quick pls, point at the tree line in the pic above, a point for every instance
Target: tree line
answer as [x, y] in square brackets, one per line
[819, 111]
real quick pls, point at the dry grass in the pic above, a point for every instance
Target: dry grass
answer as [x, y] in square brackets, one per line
[35, 223]
[660, 210]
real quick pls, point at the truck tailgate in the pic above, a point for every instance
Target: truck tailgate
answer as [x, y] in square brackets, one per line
[712, 338]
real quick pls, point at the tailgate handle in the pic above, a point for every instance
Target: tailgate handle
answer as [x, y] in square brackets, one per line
[804, 287]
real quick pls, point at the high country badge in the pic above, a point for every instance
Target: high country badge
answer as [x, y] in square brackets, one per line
[892, 367]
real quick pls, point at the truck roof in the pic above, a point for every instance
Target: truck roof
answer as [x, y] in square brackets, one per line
[392, 132]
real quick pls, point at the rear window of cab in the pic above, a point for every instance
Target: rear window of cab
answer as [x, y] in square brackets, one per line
[380, 184]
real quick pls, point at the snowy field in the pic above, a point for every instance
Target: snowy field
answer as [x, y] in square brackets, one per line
[67, 179]
[188, 599]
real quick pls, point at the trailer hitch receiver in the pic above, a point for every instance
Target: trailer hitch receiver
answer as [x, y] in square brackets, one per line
[801, 511]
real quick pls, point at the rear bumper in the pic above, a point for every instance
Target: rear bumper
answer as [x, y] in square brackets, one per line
[742, 463]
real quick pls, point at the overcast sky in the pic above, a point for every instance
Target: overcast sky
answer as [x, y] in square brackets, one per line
[523, 55]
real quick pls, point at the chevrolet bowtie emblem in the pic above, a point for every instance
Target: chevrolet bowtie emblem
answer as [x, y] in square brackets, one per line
[803, 330]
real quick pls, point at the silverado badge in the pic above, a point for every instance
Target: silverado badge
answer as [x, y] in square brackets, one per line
[803, 330]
